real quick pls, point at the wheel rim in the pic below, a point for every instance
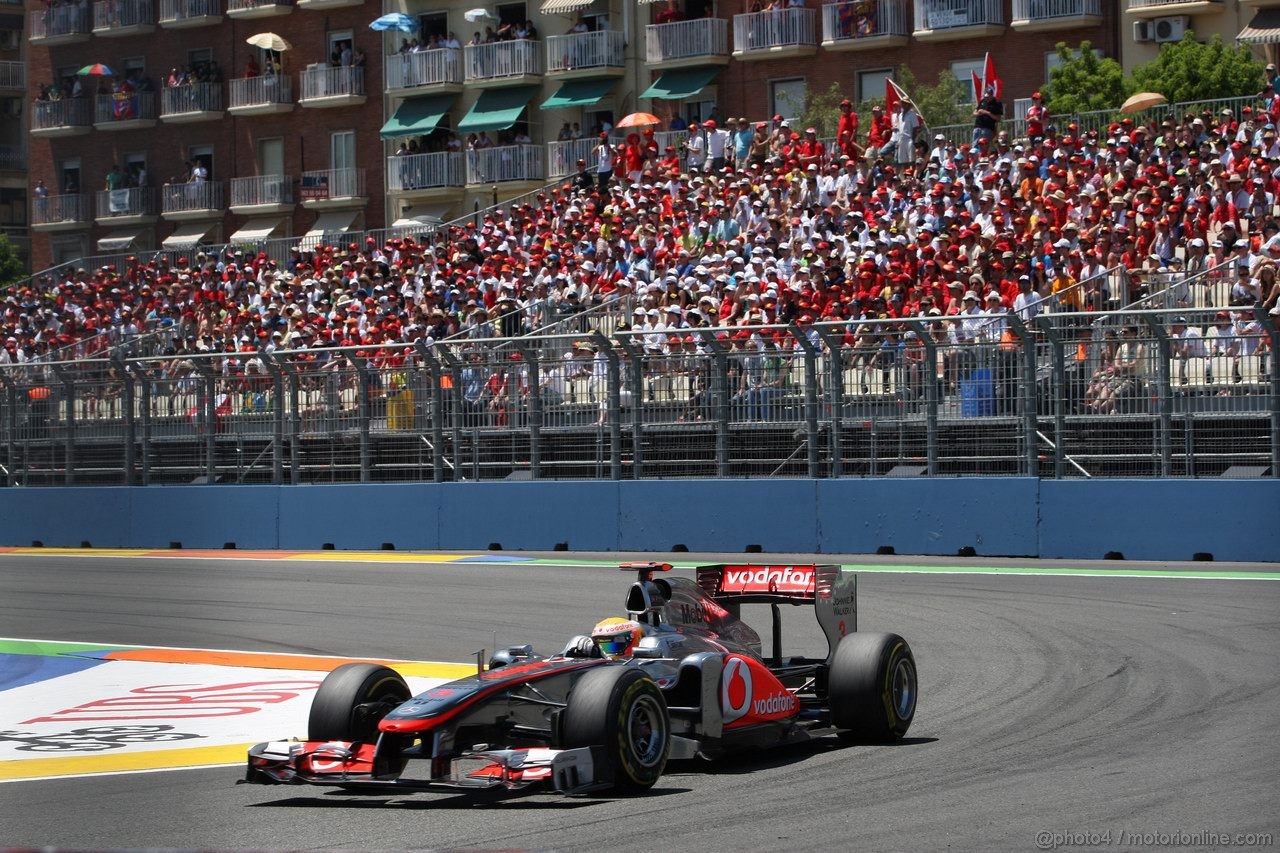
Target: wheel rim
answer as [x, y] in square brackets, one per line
[647, 731]
[903, 688]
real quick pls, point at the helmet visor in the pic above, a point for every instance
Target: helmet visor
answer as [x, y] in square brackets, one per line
[614, 645]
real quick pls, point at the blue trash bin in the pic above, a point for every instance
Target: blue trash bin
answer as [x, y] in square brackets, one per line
[978, 394]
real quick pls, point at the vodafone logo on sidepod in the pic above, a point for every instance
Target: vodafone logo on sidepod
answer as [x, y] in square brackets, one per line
[737, 697]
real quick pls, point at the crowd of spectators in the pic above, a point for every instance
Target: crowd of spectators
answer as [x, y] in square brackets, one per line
[750, 224]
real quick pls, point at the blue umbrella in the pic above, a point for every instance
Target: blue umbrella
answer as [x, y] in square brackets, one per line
[395, 21]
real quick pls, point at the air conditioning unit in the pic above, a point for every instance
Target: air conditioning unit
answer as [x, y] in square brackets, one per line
[1171, 28]
[1142, 32]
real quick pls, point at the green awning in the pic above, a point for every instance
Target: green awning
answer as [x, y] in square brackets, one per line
[417, 116]
[497, 109]
[579, 93]
[681, 83]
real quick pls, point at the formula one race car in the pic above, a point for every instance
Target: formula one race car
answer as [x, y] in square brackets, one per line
[683, 676]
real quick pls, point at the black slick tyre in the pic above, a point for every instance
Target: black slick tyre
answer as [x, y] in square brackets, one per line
[621, 710]
[872, 687]
[351, 701]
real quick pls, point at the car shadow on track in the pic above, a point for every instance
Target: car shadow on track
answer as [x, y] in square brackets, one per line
[753, 762]
[426, 801]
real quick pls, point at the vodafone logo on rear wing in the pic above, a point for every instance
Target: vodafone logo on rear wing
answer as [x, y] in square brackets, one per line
[775, 580]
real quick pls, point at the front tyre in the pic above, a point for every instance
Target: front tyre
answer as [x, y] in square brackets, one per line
[352, 700]
[622, 710]
[872, 687]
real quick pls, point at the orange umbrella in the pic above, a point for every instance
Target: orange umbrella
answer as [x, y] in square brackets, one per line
[639, 120]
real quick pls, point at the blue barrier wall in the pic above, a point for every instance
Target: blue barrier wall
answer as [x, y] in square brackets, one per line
[1142, 519]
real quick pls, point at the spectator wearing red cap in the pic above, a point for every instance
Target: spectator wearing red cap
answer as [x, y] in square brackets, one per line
[1037, 119]
[847, 131]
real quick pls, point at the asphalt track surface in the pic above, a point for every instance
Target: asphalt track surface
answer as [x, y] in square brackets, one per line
[1048, 704]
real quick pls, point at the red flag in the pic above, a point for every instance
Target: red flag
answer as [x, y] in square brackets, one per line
[990, 78]
[892, 94]
[977, 86]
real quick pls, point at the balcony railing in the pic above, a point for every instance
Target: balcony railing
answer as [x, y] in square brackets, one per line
[332, 184]
[424, 171]
[1045, 10]
[1147, 4]
[247, 8]
[59, 208]
[686, 39]
[261, 189]
[425, 68]
[60, 22]
[602, 49]
[864, 20]
[13, 75]
[135, 201]
[502, 59]
[195, 98]
[778, 28]
[13, 157]
[324, 82]
[177, 11]
[188, 198]
[261, 91]
[124, 106]
[122, 14]
[563, 157]
[71, 112]
[505, 163]
[950, 14]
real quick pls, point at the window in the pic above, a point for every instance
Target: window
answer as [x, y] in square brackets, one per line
[871, 84]
[338, 42]
[786, 97]
[69, 177]
[135, 167]
[202, 154]
[591, 119]
[699, 111]
[1052, 61]
[512, 13]
[271, 156]
[68, 249]
[432, 24]
[134, 63]
[342, 149]
[964, 70]
[201, 56]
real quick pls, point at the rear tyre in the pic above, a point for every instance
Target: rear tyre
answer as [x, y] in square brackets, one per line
[622, 710]
[872, 687]
[352, 700]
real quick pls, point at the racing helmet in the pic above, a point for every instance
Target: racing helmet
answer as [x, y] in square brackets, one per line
[617, 637]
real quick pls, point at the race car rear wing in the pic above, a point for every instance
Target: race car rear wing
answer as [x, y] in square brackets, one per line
[831, 590]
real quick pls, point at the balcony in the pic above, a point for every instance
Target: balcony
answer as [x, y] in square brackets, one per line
[328, 4]
[427, 177]
[124, 111]
[429, 70]
[70, 117]
[780, 34]
[1159, 8]
[260, 96]
[328, 189]
[133, 206]
[563, 157]
[187, 104]
[188, 14]
[59, 213]
[260, 195]
[685, 44]
[951, 20]
[120, 18]
[13, 76]
[323, 86]
[245, 10]
[598, 54]
[505, 164]
[60, 25]
[185, 202]
[1038, 16]
[1259, 4]
[865, 25]
[504, 63]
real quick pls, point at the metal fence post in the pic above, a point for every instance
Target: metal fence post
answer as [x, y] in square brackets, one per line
[930, 383]
[1165, 391]
[452, 403]
[614, 403]
[434, 376]
[1031, 458]
[1058, 354]
[69, 435]
[209, 414]
[11, 426]
[364, 413]
[1273, 333]
[835, 397]
[720, 388]
[636, 358]
[130, 423]
[272, 363]
[810, 396]
[530, 356]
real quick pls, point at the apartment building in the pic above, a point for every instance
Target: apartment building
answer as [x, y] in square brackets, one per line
[342, 128]
[1150, 23]
[13, 141]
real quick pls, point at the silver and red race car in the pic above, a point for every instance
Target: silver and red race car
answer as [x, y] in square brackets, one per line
[696, 683]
